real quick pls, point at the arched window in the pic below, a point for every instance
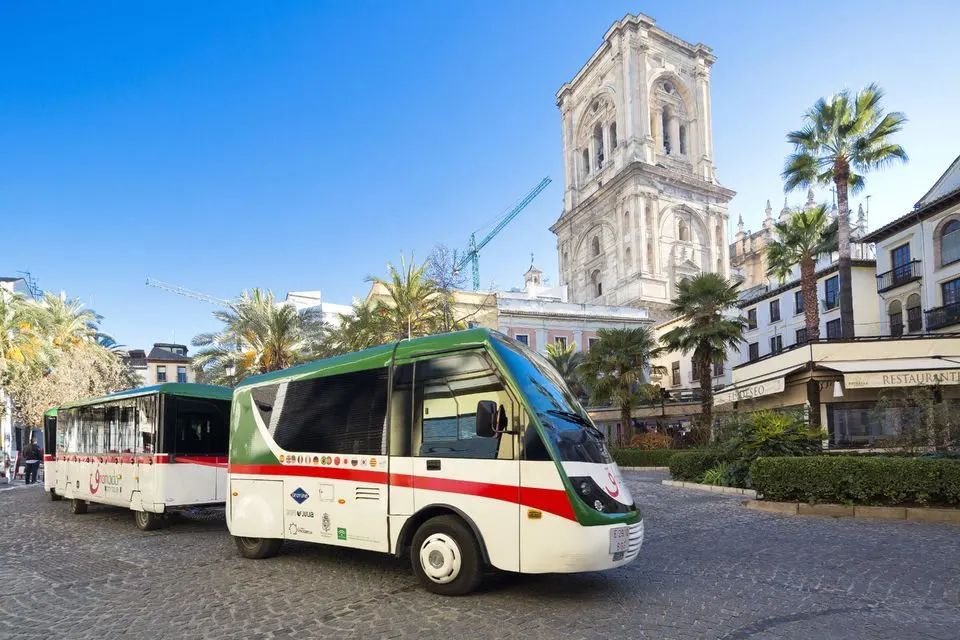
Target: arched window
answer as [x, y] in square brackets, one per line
[950, 242]
[595, 243]
[595, 281]
[683, 232]
[565, 260]
[683, 139]
[628, 255]
[626, 221]
[665, 123]
[914, 314]
[598, 144]
[585, 161]
[613, 135]
[895, 311]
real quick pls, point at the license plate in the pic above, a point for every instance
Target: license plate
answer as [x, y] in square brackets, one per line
[619, 539]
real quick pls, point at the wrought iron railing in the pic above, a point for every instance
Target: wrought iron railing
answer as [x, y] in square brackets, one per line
[898, 276]
[943, 316]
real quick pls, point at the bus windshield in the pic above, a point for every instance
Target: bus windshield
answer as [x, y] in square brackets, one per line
[565, 422]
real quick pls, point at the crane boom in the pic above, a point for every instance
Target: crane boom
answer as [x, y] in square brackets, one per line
[472, 254]
[189, 293]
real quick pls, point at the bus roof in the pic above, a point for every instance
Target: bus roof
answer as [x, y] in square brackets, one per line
[376, 357]
[189, 389]
[51, 412]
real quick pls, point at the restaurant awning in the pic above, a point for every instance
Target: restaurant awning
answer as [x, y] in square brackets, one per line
[747, 391]
[896, 372]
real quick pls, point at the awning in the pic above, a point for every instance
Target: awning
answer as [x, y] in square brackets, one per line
[748, 391]
[895, 372]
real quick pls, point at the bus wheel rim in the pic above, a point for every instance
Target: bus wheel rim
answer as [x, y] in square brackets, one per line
[440, 558]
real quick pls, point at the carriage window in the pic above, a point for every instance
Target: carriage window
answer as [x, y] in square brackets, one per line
[146, 424]
[335, 414]
[200, 426]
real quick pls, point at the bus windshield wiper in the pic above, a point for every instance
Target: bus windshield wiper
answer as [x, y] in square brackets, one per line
[576, 417]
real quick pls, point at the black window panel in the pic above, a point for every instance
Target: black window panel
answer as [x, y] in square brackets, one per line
[335, 414]
[831, 289]
[833, 329]
[900, 256]
[754, 350]
[196, 426]
[801, 335]
[776, 344]
[533, 446]
[798, 302]
[675, 373]
[49, 434]
[774, 310]
[752, 318]
[951, 291]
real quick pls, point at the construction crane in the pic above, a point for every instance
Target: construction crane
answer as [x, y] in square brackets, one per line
[472, 254]
[189, 293]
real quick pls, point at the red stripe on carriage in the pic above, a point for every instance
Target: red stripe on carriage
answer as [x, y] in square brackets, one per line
[206, 461]
[553, 501]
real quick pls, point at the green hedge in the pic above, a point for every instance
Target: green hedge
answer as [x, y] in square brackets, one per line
[691, 465]
[858, 480]
[642, 457]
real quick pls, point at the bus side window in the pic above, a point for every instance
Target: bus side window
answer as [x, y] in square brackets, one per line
[533, 446]
[401, 411]
[446, 392]
[146, 423]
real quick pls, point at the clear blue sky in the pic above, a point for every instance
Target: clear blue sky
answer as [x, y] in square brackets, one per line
[223, 146]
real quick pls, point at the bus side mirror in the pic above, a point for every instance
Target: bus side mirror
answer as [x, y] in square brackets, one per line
[486, 418]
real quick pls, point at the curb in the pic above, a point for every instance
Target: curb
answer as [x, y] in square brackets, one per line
[733, 491]
[911, 514]
[645, 468]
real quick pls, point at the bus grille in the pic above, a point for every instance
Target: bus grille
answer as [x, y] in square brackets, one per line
[636, 539]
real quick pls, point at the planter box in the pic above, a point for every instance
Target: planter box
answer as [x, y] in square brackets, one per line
[733, 491]
[913, 514]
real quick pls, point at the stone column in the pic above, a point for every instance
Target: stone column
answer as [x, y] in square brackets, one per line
[658, 132]
[674, 128]
[642, 216]
[724, 245]
[626, 108]
[569, 154]
[655, 216]
[639, 59]
[541, 340]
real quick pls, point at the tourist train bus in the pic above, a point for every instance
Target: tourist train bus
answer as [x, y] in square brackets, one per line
[153, 450]
[463, 450]
[50, 452]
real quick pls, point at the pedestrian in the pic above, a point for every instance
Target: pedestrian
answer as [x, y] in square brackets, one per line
[31, 462]
[6, 470]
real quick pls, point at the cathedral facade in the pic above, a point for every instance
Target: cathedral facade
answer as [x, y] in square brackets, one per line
[642, 205]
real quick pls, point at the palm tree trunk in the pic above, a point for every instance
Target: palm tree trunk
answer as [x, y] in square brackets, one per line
[625, 422]
[706, 398]
[843, 236]
[808, 289]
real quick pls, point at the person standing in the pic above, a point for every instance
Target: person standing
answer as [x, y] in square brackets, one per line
[31, 462]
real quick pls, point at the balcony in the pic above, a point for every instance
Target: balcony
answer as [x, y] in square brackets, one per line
[943, 316]
[899, 276]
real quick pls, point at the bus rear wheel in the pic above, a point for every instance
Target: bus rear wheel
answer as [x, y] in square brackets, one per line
[446, 556]
[78, 507]
[55, 496]
[147, 521]
[258, 548]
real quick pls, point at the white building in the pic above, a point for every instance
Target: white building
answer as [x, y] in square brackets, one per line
[918, 262]
[642, 205]
[329, 312]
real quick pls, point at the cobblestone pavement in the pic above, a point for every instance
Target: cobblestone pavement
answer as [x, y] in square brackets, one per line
[709, 569]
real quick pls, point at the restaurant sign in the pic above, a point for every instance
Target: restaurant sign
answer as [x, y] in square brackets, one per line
[747, 392]
[920, 378]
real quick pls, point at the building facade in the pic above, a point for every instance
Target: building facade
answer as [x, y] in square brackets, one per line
[166, 362]
[642, 205]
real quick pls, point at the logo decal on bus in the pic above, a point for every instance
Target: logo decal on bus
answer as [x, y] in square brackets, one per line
[341, 533]
[616, 486]
[95, 476]
[325, 522]
[300, 495]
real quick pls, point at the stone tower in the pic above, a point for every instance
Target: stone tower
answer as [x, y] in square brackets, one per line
[642, 206]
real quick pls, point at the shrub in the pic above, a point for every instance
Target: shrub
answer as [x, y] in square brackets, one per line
[642, 457]
[716, 475]
[691, 465]
[858, 480]
[651, 440]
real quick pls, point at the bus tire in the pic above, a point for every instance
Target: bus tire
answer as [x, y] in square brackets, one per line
[78, 507]
[147, 521]
[446, 556]
[54, 496]
[258, 548]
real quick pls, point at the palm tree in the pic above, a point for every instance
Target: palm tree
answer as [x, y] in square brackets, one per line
[364, 327]
[843, 137]
[801, 239]
[414, 304]
[711, 327]
[566, 359]
[259, 335]
[63, 321]
[18, 341]
[616, 366]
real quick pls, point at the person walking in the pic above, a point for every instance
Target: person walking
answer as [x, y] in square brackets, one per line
[31, 462]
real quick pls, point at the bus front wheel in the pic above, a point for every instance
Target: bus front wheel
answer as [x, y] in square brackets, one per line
[258, 548]
[78, 506]
[147, 521]
[446, 556]
[55, 496]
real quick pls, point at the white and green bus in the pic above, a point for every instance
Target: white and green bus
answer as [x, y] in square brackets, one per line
[465, 451]
[153, 450]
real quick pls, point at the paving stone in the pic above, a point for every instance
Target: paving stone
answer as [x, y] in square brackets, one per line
[709, 569]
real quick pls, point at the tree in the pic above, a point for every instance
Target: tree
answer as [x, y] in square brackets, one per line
[63, 321]
[414, 304]
[259, 335]
[616, 366]
[801, 239]
[442, 270]
[566, 360]
[711, 326]
[365, 327]
[843, 137]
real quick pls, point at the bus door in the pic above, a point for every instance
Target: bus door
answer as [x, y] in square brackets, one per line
[457, 462]
[144, 453]
[50, 448]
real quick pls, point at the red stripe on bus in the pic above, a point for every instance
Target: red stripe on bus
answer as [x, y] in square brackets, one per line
[48, 458]
[553, 501]
[207, 461]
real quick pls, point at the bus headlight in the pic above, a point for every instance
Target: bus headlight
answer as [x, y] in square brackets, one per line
[591, 494]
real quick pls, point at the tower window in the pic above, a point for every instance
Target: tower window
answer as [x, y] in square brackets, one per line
[596, 246]
[613, 135]
[683, 232]
[683, 140]
[598, 142]
[595, 281]
[585, 159]
[665, 125]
